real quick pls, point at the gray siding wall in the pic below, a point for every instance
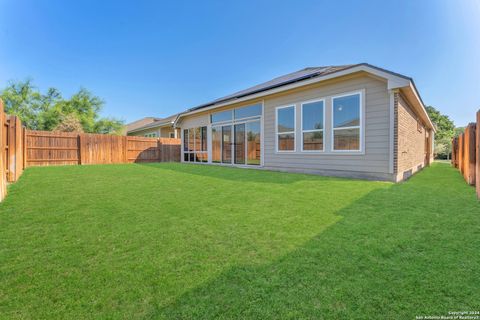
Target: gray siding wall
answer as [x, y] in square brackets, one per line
[372, 162]
[376, 125]
[194, 121]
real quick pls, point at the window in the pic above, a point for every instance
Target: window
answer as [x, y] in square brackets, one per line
[239, 143]
[312, 125]
[195, 145]
[286, 128]
[221, 116]
[203, 131]
[236, 135]
[171, 135]
[191, 140]
[227, 144]
[347, 122]
[253, 143]
[239, 113]
[151, 135]
[198, 139]
[248, 112]
[185, 140]
[216, 144]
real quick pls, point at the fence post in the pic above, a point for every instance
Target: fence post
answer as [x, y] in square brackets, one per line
[471, 153]
[159, 149]
[460, 153]
[466, 153]
[18, 148]
[11, 149]
[125, 149]
[477, 149]
[24, 144]
[80, 149]
[3, 178]
[452, 160]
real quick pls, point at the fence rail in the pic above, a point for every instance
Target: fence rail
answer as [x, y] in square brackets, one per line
[466, 154]
[23, 148]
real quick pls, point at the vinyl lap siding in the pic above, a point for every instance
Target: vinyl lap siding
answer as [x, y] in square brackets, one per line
[373, 162]
[376, 156]
[194, 121]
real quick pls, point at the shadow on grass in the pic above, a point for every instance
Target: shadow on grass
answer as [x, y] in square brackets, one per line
[406, 250]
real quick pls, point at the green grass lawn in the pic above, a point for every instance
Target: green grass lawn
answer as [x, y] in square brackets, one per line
[174, 241]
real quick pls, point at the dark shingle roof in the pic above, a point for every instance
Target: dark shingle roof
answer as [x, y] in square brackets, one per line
[296, 76]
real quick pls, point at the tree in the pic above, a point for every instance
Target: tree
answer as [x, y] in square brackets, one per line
[108, 125]
[23, 100]
[86, 106]
[445, 126]
[458, 131]
[445, 132]
[49, 111]
[69, 123]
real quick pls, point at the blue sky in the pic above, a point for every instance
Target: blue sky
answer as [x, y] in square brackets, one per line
[156, 58]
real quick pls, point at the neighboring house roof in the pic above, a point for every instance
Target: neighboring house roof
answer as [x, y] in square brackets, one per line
[311, 75]
[159, 122]
[140, 123]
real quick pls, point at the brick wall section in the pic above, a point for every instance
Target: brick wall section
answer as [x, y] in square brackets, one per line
[410, 145]
[395, 130]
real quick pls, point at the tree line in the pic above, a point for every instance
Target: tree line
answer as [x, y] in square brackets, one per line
[51, 111]
[446, 130]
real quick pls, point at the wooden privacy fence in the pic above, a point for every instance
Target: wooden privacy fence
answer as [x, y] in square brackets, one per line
[63, 148]
[466, 154]
[21, 148]
[12, 159]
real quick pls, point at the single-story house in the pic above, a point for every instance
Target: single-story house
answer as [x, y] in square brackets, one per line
[158, 128]
[138, 123]
[356, 121]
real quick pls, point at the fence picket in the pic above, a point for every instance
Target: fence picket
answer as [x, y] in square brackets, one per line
[3, 156]
[57, 148]
[477, 154]
[21, 148]
[466, 154]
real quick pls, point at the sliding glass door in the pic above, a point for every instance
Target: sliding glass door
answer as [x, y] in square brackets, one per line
[216, 144]
[240, 143]
[236, 135]
[253, 143]
[227, 144]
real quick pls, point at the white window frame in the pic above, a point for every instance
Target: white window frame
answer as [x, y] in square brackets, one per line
[250, 117]
[194, 151]
[224, 121]
[302, 131]
[289, 132]
[361, 126]
[232, 123]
